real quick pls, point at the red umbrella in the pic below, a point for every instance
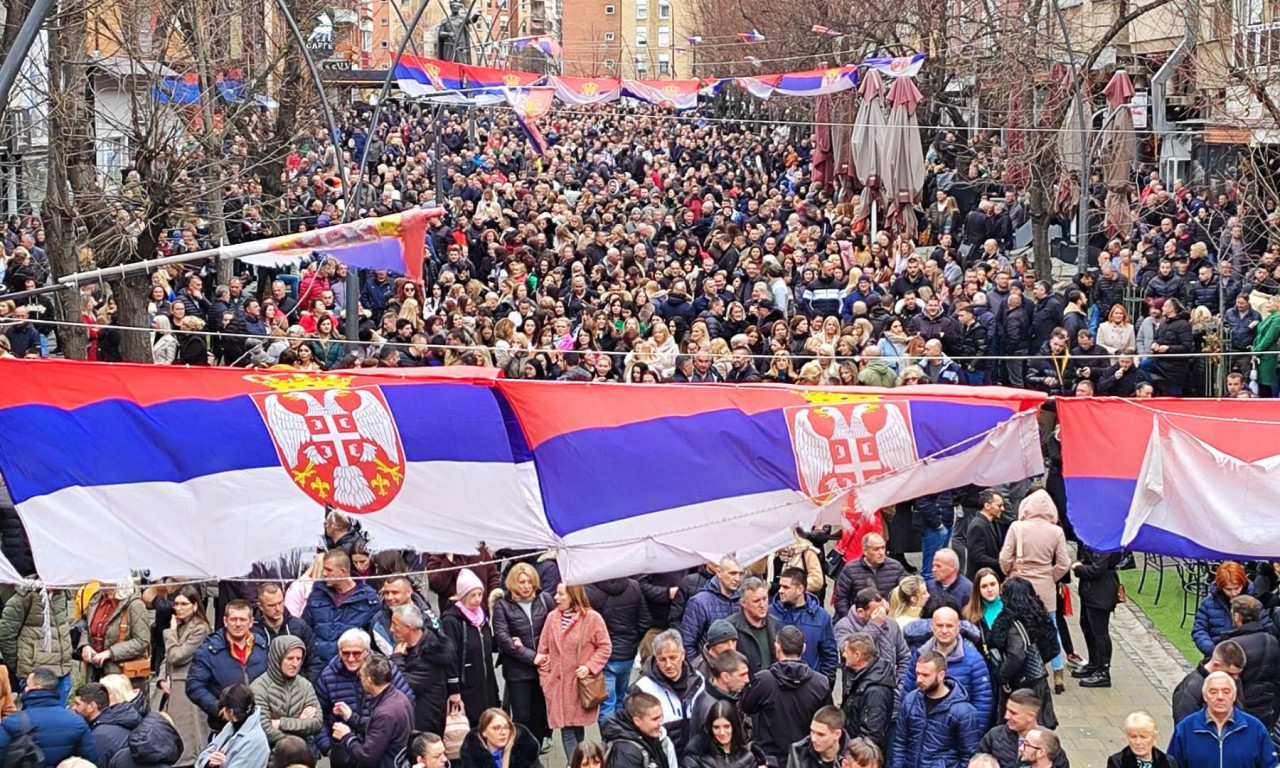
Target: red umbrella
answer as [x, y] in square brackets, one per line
[1116, 156]
[821, 164]
[904, 172]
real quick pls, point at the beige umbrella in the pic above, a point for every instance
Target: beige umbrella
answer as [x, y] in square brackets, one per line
[1116, 156]
[904, 171]
[868, 154]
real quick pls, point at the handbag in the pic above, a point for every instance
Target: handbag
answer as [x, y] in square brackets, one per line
[1121, 595]
[456, 728]
[134, 669]
[592, 691]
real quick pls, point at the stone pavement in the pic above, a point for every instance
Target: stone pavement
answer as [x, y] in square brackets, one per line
[1144, 671]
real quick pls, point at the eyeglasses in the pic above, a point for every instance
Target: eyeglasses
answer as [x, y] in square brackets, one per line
[350, 654]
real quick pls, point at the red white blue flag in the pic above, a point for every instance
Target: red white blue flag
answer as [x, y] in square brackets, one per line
[901, 66]
[813, 82]
[530, 105]
[671, 94]
[586, 91]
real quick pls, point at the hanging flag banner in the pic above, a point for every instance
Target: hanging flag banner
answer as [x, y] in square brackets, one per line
[530, 105]
[814, 82]
[1188, 478]
[486, 85]
[694, 39]
[586, 91]
[751, 37]
[548, 45]
[671, 94]
[442, 459]
[393, 243]
[430, 78]
[818, 29]
[902, 66]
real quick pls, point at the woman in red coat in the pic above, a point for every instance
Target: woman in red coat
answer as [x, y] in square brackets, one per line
[575, 644]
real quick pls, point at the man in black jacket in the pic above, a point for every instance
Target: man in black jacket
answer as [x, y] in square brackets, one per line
[874, 569]
[1188, 697]
[870, 691]
[633, 735]
[1015, 338]
[783, 698]
[626, 615]
[272, 619]
[982, 538]
[1003, 741]
[1262, 659]
[659, 590]
[428, 661]
[757, 628]
[726, 681]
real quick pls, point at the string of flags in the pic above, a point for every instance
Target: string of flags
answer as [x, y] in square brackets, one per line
[818, 29]
[753, 36]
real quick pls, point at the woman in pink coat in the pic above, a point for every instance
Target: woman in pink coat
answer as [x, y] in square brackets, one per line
[574, 644]
[1042, 556]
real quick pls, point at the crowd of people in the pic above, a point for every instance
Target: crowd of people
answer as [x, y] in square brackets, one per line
[645, 247]
[393, 659]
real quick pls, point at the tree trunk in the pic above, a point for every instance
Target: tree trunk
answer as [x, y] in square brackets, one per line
[210, 137]
[130, 293]
[66, 118]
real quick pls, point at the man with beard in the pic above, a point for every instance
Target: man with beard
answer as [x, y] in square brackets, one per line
[668, 677]
[936, 725]
[729, 676]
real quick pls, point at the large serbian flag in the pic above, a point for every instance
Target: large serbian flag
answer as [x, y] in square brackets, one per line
[204, 472]
[430, 78]
[813, 82]
[487, 85]
[530, 105]
[394, 243]
[1190, 478]
[671, 94]
[666, 474]
[586, 91]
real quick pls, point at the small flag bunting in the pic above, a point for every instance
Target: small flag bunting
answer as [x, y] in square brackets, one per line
[818, 29]
[753, 36]
[694, 39]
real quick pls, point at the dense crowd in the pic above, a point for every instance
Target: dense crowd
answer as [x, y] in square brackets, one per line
[391, 659]
[647, 248]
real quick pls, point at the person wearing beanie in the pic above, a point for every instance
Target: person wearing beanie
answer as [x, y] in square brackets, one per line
[466, 624]
[721, 637]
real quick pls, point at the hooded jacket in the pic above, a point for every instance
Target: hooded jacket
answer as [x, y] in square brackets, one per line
[1045, 558]
[870, 702]
[677, 699]
[781, 701]
[283, 698]
[215, 668]
[627, 747]
[891, 642]
[943, 737]
[111, 730]
[245, 747]
[625, 612]
[707, 605]
[820, 651]
[1262, 659]
[154, 743]
[22, 632]
[60, 732]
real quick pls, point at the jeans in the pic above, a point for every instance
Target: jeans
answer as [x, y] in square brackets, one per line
[1096, 625]
[571, 737]
[930, 542]
[1056, 663]
[617, 676]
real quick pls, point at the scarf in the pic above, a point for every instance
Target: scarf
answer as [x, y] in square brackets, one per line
[990, 610]
[101, 618]
[474, 615]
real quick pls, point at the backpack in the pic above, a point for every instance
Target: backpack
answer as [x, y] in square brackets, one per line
[24, 751]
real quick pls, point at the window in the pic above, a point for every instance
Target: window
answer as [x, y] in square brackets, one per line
[664, 10]
[642, 37]
[608, 37]
[664, 64]
[383, 44]
[608, 10]
[642, 9]
[664, 37]
[382, 22]
[610, 64]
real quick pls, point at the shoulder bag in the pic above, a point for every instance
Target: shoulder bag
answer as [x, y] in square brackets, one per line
[134, 669]
[592, 691]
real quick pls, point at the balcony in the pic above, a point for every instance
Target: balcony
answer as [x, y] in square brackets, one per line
[1257, 47]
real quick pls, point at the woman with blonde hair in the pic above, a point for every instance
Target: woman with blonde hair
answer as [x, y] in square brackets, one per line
[576, 645]
[295, 597]
[721, 355]
[1141, 730]
[518, 620]
[499, 742]
[1116, 332]
[665, 349]
[164, 347]
[906, 599]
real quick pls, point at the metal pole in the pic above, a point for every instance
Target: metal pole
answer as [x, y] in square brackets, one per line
[1082, 213]
[21, 47]
[324, 100]
[353, 304]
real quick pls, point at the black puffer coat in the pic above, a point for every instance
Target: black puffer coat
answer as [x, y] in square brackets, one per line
[626, 614]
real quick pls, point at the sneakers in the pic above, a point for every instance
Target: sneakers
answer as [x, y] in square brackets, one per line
[1101, 678]
[1075, 661]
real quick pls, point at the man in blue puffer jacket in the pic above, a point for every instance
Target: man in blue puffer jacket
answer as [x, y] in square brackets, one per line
[339, 682]
[793, 605]
[718, 599]
[60, 732]
[941, 733]
[233, 654]
[964, 664]
[337, 604]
